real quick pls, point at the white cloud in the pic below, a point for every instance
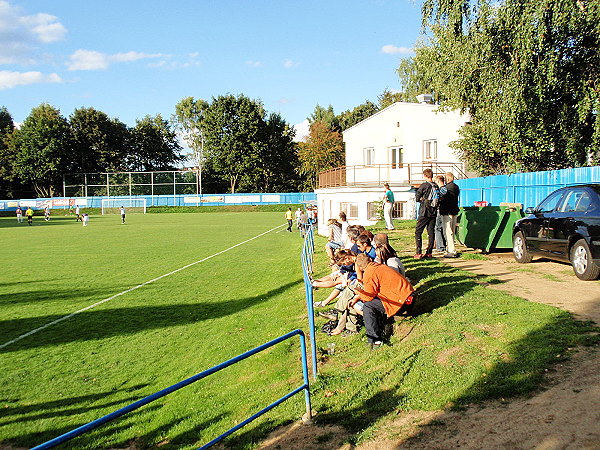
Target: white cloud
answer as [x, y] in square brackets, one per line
[10, 80]
[254, 63]
[93, 60]
[393, 50]
[21, 35]
[302, 130]
[288, 64]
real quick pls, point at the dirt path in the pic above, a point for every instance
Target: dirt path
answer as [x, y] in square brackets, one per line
[565, 415]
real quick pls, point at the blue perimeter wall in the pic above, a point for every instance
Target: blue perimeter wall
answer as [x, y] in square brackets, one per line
[529, 189]
[167, 200]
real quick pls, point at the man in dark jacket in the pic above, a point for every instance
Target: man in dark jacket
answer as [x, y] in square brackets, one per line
[449, 210]
[426, 196]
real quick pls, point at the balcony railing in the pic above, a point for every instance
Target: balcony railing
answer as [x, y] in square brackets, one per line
[377, 174]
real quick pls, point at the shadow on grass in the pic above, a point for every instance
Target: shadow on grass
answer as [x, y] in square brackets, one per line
[104, 323]
[57, 295]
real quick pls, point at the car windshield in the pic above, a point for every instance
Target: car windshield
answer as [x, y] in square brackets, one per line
[550, 204]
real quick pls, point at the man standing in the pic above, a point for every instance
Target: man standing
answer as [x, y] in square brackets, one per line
[122, 210]
[19, 215]
[426, 196]
[289, 217]
[388, 205]
[77, 211]
[449, 210]
[384, 292]
[29, 214]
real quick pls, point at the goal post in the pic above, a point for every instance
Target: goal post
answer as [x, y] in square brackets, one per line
[131, 205]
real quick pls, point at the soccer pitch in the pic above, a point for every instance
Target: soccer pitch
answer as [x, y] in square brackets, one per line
[174, 294]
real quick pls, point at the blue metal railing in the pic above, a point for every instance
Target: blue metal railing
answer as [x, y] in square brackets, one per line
[144, 401]
[308, 249]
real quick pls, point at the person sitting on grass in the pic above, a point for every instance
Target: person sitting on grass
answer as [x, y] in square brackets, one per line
[339, 279]
[384, 293]
[386, 254]
[364, 245]
[352, 234]
[334, 239]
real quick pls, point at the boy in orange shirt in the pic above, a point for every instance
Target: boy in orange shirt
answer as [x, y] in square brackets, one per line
[384, 292]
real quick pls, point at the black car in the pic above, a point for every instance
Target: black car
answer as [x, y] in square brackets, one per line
[564, 227]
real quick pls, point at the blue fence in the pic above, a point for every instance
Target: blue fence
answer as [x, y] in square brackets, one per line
[529, 189]
[308, 249]
[144, 401]
[291, 198]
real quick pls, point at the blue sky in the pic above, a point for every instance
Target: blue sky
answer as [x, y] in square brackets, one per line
[132, 58]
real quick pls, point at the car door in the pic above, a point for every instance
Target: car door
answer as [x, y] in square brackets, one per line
[563, 223]
[535, 226]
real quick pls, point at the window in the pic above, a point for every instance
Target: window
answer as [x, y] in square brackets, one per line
[396, 156]
[369, 156]
[398, 210]
[430, 149]
[351, 210]
[372, 210]
[550, 204]
[576, 201]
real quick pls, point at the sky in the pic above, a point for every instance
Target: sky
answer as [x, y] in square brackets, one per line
[131, 58]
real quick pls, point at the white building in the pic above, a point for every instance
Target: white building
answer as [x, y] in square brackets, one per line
[394, 145]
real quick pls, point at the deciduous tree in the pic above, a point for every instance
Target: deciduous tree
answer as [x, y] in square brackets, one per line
[322, 150]
[154, 145]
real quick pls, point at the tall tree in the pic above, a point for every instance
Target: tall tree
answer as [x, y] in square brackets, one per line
[188, 118]
[101, 144]
[527, 71]
[154, 145]
[7, 154]
[326, 116]
[322, 150]
[361, 112]
[44, 146]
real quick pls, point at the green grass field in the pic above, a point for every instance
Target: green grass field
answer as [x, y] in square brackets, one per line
[467, 343]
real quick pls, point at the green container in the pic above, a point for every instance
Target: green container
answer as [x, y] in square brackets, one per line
[487, 227]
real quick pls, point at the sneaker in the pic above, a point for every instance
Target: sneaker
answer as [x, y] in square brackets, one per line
[427, 255]
[376, 345]
[450, 255]
[331, 315]
[418, 256]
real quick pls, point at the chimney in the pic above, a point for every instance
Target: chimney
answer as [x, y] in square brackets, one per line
[425, 98]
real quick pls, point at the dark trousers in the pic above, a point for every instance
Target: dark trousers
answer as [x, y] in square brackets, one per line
[374, 316]
[289, 228]
[422, 224]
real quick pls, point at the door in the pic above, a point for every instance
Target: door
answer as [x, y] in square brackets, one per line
[535, 227]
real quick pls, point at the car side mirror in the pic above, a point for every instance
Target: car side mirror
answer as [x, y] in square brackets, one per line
[530, 210]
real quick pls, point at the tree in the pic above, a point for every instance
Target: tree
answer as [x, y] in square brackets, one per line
[350, 118]
[322, 150]
[7, 153]
[527, 72]
[43, 147]
[100, 144]
[188, 118]
[154, 145]
[327, 116]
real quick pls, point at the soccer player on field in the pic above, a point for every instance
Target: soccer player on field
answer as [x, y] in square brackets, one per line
[122, 214]
[289, 218]
[47, 213]
[77, 214]
[19, 215]
[29, 214]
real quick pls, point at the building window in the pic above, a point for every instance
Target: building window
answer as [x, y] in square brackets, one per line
[372, 211]
[369, 156]
[430, 149]
[398, 210]
[351, 210]
[396, 157]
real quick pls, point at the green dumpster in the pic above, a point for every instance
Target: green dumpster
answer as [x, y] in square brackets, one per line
[487, 227]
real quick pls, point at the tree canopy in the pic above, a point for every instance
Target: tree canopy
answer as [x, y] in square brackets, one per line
[528, 72]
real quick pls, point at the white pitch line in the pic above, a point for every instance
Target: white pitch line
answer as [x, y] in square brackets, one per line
[23, 336]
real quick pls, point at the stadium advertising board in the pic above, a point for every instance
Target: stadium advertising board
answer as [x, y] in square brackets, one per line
[28, 203]
[243, 199]
[271, 198]
[213, 199]
[13, 204]
[191, 200]
[2, 205]
[63, 202]
[81, 202]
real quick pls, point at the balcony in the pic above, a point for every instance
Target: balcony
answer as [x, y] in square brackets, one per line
[377, 174]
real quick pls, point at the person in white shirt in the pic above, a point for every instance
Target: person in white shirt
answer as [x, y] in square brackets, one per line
[122, 210]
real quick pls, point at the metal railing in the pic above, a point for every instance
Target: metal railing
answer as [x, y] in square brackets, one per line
[144, 401]
[308, 249]
[381, 173]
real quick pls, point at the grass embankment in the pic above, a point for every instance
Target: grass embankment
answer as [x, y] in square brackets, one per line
[467, 343]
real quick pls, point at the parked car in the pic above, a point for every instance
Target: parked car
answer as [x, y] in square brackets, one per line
[564, 227]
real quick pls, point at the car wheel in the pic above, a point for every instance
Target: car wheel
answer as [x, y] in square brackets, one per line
[522, 255]
[581, 258]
